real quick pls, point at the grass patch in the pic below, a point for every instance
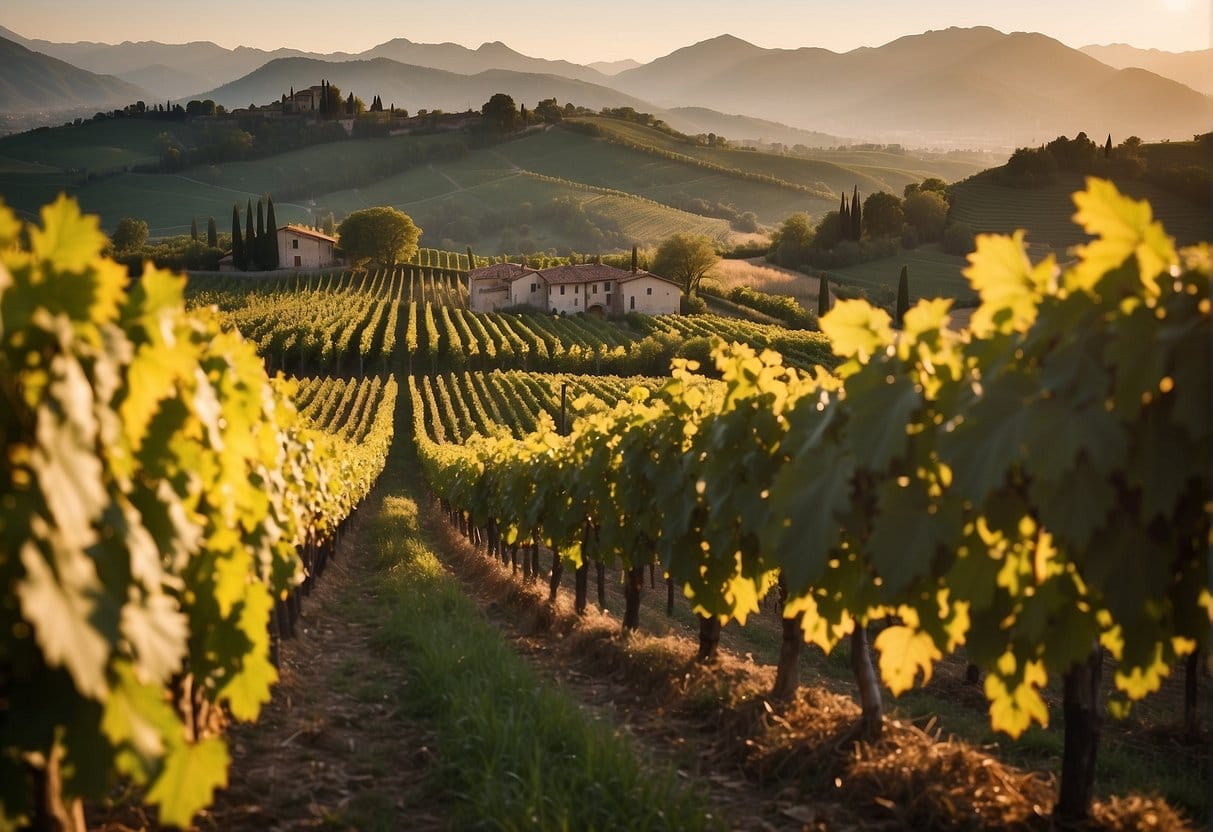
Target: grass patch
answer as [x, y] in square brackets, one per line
[512, 752]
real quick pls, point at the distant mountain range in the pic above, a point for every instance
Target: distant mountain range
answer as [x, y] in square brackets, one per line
[33, 82]
[1193, 69]
[413, 87]
[958, 87]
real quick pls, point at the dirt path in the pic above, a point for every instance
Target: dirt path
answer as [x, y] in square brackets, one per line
[332, 749]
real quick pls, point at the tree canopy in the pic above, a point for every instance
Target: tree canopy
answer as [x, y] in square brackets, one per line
[928, 212]
[501, 112]
[382, 235]
[129, 234]
[687, 259]
[882, 215]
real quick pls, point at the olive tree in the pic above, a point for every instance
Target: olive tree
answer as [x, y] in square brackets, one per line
[382, 235]
[686, 259]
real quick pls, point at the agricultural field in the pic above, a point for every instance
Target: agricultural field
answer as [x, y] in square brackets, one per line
[1046, 212]
[834, 171]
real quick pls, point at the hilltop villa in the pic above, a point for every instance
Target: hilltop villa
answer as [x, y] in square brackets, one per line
[592, 288]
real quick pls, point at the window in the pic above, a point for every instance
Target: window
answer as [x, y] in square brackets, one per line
[595, 288]
[298, 261]
[562, 290]
[575, 302]
[576, 290]
[295, 243]
[649, 291]
[632, 304]
[534, 287]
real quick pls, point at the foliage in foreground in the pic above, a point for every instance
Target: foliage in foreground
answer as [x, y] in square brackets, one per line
[156, 485]
[1030, 490]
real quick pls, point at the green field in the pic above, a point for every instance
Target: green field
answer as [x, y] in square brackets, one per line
[932, 274]
[835, 170]
[1046, 212]
[95, 146]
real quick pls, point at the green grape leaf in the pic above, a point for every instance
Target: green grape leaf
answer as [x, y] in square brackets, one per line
[249, 687]
[803, 527]
[1157, 456]
[990, 441]
[1058, 432]
[188, 781]
[139, 722]
[61, 609]
[856, 328]
[880, 409]
[158, 632]
[1073, 507]
[903, 652]
[907, 533]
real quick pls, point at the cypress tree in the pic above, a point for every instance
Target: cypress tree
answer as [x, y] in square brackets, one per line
[635, 259]
[856, 216]
[194, 229]
[903, 296]
[271, 240]
[237, 243]
[250, 238]
[212, 233]
[823, 295]
[844, 218]
[259, 249]
[1107, 148]
[471, 259]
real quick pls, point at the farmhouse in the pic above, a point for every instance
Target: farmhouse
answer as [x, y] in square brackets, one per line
[591, 288]
[303, 248]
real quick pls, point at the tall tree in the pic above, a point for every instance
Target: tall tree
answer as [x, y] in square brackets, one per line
[237, 243]
[823, 295]
[1107, 147]
[856, 215]
[381, 235]
[212, 233]
[686, 259]
[250, 238]
[844, 217]
[272, 260]
[259, 249]
[194, 229]
[903, 296]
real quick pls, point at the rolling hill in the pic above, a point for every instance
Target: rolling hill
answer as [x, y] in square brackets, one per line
[413, 87]
[1193, 69]
[31, 81]
[957, 87]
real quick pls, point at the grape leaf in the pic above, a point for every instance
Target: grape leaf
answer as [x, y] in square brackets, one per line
[1014, 709]
[188, 781]
[856, 328]
[876, 434]
[906, 533]
[1125, 228]
[903, 652]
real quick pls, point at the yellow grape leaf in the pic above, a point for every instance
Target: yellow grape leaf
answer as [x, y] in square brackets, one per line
[816, 627]
[856, 329]
[926, 316]
[1012, 711]
[10, 227]
[188, 780]
[68, 240]
[1140, 681]
[248, 689]
[1010, 288]
[742, 595]
[1125, 227]
[903, 652]
[136, 719]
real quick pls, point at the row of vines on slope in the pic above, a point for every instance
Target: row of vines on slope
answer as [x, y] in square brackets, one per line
[158, 489]
[1034, 490]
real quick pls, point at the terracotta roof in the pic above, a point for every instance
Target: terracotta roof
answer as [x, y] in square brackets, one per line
[642, 273]
[307, 232]
[507, 271]
[583, 273]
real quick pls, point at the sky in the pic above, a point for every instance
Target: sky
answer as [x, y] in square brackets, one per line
[592, 30]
